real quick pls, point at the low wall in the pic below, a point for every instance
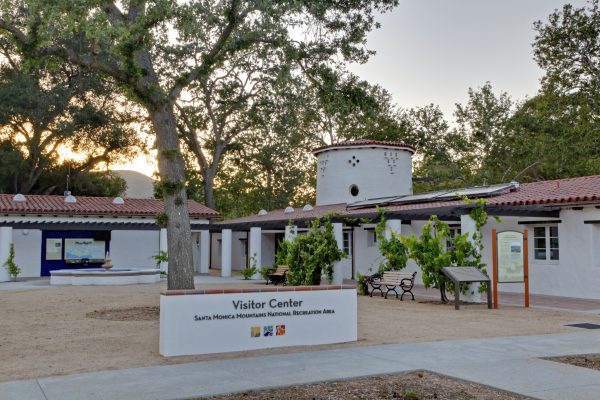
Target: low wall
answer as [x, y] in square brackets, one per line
[225, 320]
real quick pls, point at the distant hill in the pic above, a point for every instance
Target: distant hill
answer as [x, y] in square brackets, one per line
[139, 186]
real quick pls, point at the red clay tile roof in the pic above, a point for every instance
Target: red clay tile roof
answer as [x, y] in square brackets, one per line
[366, 142]
[559, 191]
[562, 191]
[45, 204]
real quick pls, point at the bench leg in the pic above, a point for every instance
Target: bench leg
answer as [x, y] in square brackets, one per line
[407, 291]
[376, 288]
[392, 289]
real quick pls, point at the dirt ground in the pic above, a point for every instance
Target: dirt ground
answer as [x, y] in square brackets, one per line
[591, 361]
[67, 330]
[414, 386]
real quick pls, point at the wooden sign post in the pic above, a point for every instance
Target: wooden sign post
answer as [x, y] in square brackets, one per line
[510, 250]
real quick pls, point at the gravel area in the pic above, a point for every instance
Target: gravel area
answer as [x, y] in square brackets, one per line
[69, 330]
[591, 361]
[413, 386]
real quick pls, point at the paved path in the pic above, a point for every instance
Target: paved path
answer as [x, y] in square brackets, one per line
[510, 363]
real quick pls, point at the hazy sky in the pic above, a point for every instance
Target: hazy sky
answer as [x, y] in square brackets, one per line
[432, 51]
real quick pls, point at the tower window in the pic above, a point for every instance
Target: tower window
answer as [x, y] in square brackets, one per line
[354, 190]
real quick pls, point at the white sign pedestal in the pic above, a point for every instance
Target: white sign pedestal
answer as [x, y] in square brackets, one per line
[203, 322]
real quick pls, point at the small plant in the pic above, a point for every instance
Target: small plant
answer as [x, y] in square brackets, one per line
[13, 269]
[251, 269]
[410, 394]
[363, 290]
[265, 272]
[161, 257]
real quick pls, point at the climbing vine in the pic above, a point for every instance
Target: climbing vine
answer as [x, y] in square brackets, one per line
[392, 248]
[309, 255]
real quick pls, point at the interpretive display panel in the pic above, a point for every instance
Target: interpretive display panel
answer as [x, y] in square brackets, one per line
[225, 322]
[84, 249]
[53, 249]
[510, 257]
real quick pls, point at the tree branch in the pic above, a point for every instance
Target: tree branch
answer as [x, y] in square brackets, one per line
[234, 20]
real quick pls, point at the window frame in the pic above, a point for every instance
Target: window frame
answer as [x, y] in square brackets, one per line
[347, 243]
[548, 248]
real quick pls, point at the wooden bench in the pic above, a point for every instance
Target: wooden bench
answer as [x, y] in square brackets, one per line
[392, 280]
[278, 276]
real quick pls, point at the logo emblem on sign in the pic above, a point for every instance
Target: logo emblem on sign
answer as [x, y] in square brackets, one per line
[280, 330]
[268, 330]
[255, 331]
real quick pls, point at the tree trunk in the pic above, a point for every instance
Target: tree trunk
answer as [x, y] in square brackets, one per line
[209, 194]
[443, 294]
[172, 175]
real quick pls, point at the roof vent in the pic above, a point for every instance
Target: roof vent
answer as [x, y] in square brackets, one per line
[118, 200]
[70, 199]
[307, 207]
[288, 210]
[262, 212]
[514, 184]
[19, 197]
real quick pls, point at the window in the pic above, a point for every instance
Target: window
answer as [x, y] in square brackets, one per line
[371, 238]
[348, 243]
[545, 243]
[454, 232]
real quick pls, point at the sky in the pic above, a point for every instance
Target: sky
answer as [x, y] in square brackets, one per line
[432, 51]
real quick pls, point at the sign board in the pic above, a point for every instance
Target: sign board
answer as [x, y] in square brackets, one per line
[225, 322]
[510, 257]
[460, 275]
[465, 274]
[79, 249]
[53, 249]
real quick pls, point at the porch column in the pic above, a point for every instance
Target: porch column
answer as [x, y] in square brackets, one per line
[291, 231]
[338, 267]
[162, 246]
[392, 225]
[467, 225]
[226, 252]
[5, 242]
[255, 247]
[204, 251]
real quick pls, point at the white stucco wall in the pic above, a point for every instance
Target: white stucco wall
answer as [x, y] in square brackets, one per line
[267, 250]
[377, 172]
[28, 251]
[576, 273]
[134, 249]
[238, 259]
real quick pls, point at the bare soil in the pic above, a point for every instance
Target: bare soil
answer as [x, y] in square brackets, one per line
[591, 361]
[68, 330]
[413, 386]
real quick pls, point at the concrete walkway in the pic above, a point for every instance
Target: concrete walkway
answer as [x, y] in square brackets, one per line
[509, 363]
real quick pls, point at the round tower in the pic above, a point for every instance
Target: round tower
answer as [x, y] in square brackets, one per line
[353, 171]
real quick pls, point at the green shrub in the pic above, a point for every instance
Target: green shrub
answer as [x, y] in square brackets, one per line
[265, 272]
[393, 248]
[249, 271]
[362, 287]
[161, 257]
[13, 269]
[308, 256]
